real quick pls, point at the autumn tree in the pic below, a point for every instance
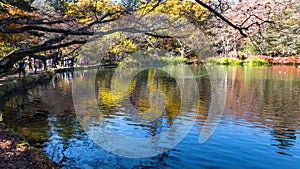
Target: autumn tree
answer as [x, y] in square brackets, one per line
[43, 28]
[271, 28]
[54, 25]
[49, 28]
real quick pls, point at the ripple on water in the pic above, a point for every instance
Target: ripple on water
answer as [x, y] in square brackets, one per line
[260, 127]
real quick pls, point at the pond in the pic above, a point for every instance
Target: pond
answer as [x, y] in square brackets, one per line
[259, 125]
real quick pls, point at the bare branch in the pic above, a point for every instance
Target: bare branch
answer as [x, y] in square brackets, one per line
[240, 29]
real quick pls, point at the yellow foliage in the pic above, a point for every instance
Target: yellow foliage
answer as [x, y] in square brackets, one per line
[177, 8]
[125, 45]
[8, 42]
[85, 9]
[85, 2]
[12, 11]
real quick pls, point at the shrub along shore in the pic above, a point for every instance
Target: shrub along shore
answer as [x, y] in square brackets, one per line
[259, 60]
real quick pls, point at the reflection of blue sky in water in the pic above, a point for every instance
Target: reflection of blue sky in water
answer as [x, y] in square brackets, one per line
[249, 135]
[232, 146]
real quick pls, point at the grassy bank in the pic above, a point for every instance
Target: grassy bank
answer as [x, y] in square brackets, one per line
[235, 61]
[149, 61]
[259, 60]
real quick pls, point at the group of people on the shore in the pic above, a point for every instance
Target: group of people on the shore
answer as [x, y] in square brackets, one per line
[84, 61]
[233, 53]
[34, 65]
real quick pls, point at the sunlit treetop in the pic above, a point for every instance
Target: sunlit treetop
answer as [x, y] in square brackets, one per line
[12, 9]
[8, 12]
[187, 9]
[24, 5]
[90, 10]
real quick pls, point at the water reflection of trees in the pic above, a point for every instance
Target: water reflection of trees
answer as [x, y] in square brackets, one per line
[140, 88]
[28, 112]
[264, 97]
[284, 136]
[269, 96]
[27, 120]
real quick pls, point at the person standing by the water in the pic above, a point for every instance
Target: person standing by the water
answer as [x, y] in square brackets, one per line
[65, 60]
[74, 61]
[86, 59]
[40, 65]
[49, 63]
[71, 62]
[21, 67]
[30, 62]
[36, 65]
[54, 62]
[45, 64]
[82, 61]
[61, 62]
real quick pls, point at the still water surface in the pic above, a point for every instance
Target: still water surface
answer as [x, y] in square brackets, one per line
[260, 127]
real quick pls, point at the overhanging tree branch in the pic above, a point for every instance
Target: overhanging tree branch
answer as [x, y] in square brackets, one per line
[13, 57]
[240, 29]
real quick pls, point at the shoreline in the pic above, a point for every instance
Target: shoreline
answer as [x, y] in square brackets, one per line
[14, 148]
[14, 83]
[15, 151]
